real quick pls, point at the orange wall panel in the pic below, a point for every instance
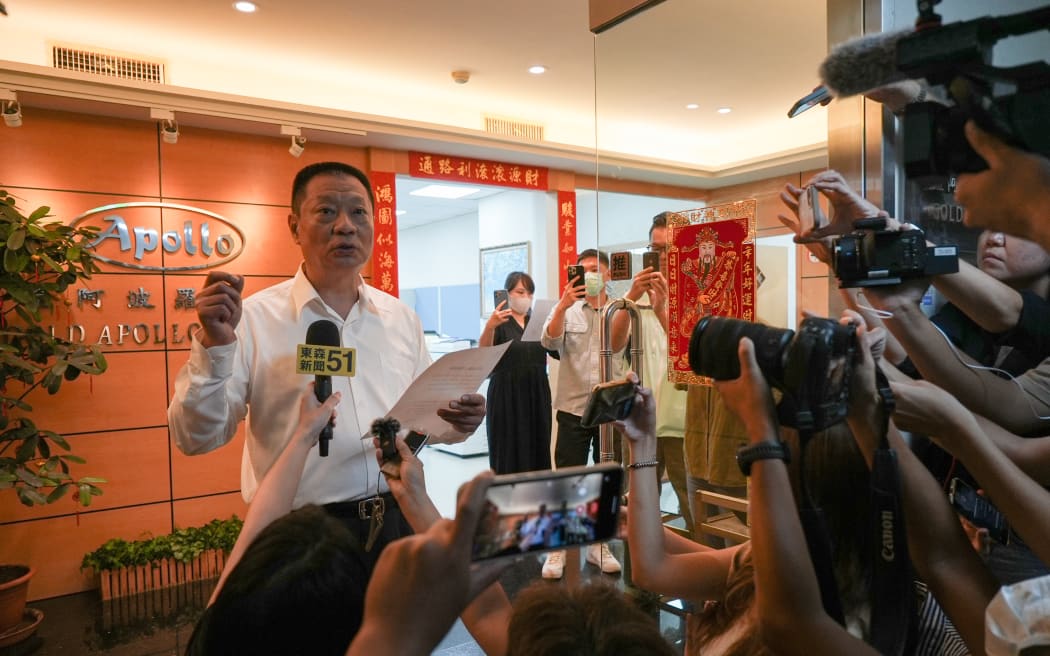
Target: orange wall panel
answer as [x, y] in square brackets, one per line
[113, 325]
[226, 166]
[61, 150]
[134, 464]
[214, 472]
[130, 394]
[56, 546]
[268, 245]
[198, 512]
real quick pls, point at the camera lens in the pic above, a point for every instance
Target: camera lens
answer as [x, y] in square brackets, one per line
[713, 348]
[845, 258]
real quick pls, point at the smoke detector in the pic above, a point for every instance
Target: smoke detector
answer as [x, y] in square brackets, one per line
[461, 77]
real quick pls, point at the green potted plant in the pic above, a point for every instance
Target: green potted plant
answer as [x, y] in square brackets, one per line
[41, 260]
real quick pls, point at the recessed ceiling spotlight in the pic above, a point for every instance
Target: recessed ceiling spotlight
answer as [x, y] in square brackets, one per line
[245, 7]
[444, 191]
[537, 70]
[400, 212]
[692, 106]
[724, 110]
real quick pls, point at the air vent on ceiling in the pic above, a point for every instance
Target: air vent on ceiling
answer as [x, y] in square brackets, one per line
[510, 128]
[107, 64]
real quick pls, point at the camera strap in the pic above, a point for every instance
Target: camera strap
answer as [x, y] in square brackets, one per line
[893, 603]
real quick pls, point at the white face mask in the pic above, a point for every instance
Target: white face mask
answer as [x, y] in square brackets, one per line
[520, 304]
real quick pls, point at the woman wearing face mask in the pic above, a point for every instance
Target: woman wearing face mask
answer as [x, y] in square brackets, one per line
[519, 395]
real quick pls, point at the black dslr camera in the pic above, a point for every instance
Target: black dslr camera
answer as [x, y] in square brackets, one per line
[872, 255]
[1010, 103]
[812, 367]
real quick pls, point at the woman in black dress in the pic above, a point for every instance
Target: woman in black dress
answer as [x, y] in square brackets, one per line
[519, 395]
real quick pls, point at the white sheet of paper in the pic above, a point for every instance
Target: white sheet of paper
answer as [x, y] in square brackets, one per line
[541, 308]
[448, 378]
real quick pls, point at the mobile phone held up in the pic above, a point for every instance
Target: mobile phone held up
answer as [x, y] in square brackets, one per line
[651, 260]
[544, 510]
[574, 274]
[610, 401]
[499, 296]
[978, 510]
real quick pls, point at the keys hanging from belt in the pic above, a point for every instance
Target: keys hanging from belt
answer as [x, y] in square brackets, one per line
[373, 509]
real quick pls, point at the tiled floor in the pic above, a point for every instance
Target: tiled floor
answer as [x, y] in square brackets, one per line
[161, 623]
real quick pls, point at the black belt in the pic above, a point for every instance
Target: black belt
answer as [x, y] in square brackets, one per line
[363, 508]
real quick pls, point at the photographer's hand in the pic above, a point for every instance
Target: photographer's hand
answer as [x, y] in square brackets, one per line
[640, 425]
[847, 205]
[409, 487]
[749, 397]
[1012, 195]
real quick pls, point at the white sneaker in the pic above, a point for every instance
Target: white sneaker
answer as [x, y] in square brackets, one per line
[554, 566]
[599, 554]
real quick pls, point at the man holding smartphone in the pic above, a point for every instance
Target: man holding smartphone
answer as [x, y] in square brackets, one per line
[572, 329]
[649, 290]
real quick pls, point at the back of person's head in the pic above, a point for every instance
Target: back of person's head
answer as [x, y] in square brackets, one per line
[593, 252]
[589, 620]
[298, 589]
[311, 171]
[514, 277]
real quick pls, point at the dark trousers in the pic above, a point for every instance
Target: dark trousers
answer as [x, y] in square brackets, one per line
[576, 444]
[394, 525]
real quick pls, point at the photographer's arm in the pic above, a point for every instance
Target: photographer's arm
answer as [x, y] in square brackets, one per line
[695, 573]
[926, 408]
[277, 489]
[488, 615]
[993, 305]
[790, 612]
[940, 363]
[940, 552]
[1030, 454]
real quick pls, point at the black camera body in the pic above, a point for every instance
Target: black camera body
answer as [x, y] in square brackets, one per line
[873, 256]
[1010, 103]
[812, 367]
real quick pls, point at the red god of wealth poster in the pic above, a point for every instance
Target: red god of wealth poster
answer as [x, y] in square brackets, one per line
[711, 270]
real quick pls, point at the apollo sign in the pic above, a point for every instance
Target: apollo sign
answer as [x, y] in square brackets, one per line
[128, 236]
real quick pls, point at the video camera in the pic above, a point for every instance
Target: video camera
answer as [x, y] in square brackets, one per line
[812, 367]
[1010, 103]
[872, 256]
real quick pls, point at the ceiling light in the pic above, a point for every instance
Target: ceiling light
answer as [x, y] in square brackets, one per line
[692, 106]
[169, 131]
[724, 110]
[12, 112]
[245, 7]
[400, 212]
[537, 70]
[298, 146]
[448, 192]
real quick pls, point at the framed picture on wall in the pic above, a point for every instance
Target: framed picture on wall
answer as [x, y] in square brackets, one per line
[496, 263]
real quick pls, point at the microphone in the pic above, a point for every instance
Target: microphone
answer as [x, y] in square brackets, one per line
[860, 65]
[323, 333]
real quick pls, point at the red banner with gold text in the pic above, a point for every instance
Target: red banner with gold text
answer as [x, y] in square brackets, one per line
[566, 233]
[711, 271]
[477, 171]
[384, 249]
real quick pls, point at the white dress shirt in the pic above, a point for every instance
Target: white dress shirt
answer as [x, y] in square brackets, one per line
[579, 348]
[255, 377]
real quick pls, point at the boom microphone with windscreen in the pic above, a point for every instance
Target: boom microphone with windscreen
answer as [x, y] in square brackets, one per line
[323, 333]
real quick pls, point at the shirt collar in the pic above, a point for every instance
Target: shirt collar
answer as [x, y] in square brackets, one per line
[303, 293]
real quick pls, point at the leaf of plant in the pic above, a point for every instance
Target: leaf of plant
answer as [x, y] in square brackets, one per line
[28, 448]
[85, 495]
[16, 239]
[39, 213]
[30, 497]
[59, 492]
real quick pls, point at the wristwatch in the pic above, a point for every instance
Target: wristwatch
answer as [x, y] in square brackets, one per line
[746, 455]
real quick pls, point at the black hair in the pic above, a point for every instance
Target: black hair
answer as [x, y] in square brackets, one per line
[311, 171]
[298, 589]
[659, 221]
[514, 277]
[593, 252]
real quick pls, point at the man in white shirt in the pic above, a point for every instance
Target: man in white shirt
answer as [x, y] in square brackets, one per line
[572, 331]
[242, 360]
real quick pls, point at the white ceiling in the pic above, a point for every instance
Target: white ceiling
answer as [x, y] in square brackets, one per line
[393, 58]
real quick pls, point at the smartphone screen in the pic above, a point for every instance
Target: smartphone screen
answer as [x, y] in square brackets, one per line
[499, 296]
[416, 441]
[539, 511]
[651, 259]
